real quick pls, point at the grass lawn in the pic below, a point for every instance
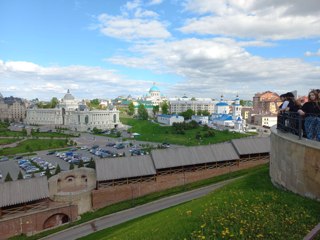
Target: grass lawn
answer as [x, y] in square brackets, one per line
[7, 133]
[250, 208]
[32, 145]
[51, 134]
[155, 133]
[5, 141]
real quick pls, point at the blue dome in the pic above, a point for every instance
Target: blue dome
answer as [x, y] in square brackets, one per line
[222, 104]
[154, 89]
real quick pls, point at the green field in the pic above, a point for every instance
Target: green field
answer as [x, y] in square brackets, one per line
[153, 132]
[51, 134]
[7, 133]
[32, 145]
[250, 208]
[5, 141]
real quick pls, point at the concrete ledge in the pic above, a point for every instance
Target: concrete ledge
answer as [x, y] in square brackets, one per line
[295, 164]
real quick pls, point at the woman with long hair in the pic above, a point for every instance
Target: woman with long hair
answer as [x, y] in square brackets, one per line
[311, 111]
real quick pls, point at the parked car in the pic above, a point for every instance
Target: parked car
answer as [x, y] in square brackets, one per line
[110, 144]
[119, 146]
[4, 159]
[51, 152]
[165, 145]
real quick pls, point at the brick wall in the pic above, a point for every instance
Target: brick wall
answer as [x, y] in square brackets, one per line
[33, 222]
[109, 195]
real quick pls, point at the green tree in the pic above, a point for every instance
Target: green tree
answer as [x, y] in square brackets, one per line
[94, 103]
[58, 170]
[155, 110]
[130, 109]
[187, 114]
[91, 164]
[71, 166]
[96, 130]
[142, 112]
[20, 176]
[54, 102]
[80, 164]
[8, 178]
[242, 102]
[47, 172]
[165, 107]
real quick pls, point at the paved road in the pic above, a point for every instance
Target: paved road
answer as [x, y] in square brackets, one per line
[132, 213]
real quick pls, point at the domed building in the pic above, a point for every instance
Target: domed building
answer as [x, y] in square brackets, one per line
[68, 102]
[222, 107]
[74, 114]
[154, 96]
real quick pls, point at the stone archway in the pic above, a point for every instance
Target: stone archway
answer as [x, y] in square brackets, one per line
[56, 220]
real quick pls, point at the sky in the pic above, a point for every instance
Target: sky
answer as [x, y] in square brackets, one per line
[105, 49]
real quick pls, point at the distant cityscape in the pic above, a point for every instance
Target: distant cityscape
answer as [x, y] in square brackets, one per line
[84, 115]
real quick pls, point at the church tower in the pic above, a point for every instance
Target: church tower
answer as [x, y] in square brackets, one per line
[236, 108]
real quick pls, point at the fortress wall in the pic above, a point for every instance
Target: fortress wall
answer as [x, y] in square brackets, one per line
[113, 194]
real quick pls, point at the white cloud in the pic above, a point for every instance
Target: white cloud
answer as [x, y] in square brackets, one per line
[140, 13]
[254, 19]
[155, 2]
[141, 26]
[312, 54]
[132, 5]
[29, 80]
[214, 66]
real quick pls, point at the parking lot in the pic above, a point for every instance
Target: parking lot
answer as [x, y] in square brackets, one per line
[84, 144]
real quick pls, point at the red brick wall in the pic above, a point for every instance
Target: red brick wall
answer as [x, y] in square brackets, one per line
[109, 195]
[32, 222]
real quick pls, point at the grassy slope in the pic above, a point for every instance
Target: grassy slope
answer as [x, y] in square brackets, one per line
[34, 145]
[250, 208]
[153, 132]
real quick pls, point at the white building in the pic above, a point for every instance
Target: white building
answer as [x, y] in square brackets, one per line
[74, 115]
[223, 118]
[200, 119]
[179, 105]
[265, 120]
[169, 119]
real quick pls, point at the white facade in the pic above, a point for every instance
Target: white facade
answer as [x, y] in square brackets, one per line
[200, 119]
[222, 107]
[183, 104]
[169, 119]
[265, 120]
[75, 116]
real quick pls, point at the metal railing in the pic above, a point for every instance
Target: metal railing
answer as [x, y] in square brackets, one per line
[294, 123]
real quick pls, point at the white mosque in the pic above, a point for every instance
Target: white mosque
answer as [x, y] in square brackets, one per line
[74, 115]
[222, 117]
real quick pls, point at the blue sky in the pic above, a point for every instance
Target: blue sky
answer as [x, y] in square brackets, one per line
[103, 49]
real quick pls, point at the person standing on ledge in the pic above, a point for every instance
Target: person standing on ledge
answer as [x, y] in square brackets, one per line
[311, 111]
